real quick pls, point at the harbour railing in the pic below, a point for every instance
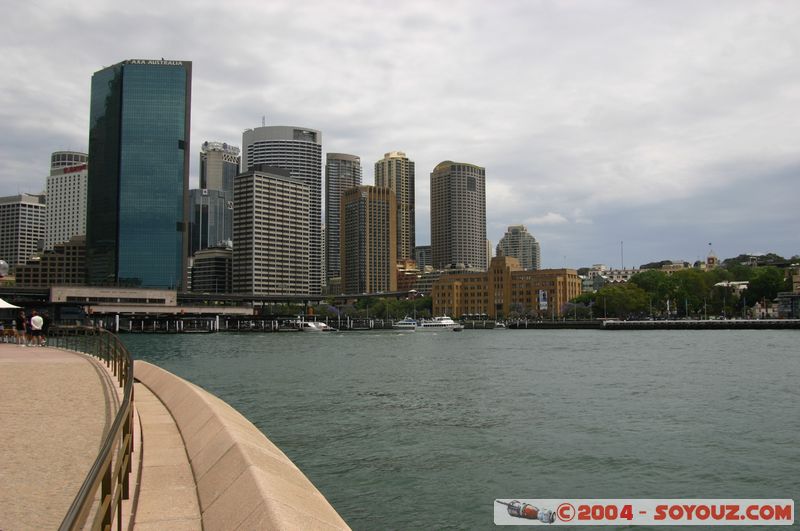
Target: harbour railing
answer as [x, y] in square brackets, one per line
[101, 494]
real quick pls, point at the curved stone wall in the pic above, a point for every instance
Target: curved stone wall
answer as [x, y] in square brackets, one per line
[243, 480]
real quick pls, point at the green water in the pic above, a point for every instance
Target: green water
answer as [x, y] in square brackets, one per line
[425, 430]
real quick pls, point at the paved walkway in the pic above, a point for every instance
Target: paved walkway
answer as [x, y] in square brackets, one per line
[55, 407]
[168, 494]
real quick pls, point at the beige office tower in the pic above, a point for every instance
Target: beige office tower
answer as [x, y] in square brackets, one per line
[219, 165]
[342, 172]
[270, 233]
[396, 173]
[368, 241]
[299, 150]
[458, 216]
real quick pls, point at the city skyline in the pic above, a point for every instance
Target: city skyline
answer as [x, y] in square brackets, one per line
[663, 126]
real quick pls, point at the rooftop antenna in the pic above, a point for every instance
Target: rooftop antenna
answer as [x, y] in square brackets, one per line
[621, 255]
[263, 120]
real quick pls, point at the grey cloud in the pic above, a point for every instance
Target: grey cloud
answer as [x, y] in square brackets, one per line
[608, 111]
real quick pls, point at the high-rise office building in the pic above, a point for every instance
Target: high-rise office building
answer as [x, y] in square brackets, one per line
[219, 164]
[422, 255]
[342, 172]
[138, 193]
[458, 216]
[298, 150]
[368, 240]
[518, 243]
[212, 270]
[396, 172]
[21, 227]
[65, 215]
[270, 232]
[210, 219]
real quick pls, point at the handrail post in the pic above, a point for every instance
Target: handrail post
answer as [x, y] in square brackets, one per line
[127, 438]
[106, 493]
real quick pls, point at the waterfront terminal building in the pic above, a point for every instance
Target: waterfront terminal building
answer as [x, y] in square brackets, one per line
[504, 288]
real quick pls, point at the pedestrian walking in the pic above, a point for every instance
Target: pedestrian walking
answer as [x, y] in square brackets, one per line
[45, 327]
[36, 329]
[20, 326]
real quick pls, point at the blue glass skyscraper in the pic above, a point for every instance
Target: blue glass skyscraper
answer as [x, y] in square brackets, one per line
[137, 204]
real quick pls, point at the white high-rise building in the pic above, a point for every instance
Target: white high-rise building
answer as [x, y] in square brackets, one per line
[270, 233]
[21, 227]
[520, 244]
[298, 150]
[65, 215]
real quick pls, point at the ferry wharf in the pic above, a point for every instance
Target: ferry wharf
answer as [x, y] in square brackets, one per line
[659, 324]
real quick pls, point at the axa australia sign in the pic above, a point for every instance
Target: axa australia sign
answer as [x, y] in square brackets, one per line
[161, 62]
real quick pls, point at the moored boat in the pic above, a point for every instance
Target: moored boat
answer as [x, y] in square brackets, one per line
[437, 323]
[315, 326]
[407, 324]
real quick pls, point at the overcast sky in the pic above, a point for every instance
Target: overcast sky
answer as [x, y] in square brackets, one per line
[663, 125]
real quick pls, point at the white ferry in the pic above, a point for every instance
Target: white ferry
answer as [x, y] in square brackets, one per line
[315, 326]
[437, 323]
[408, 324]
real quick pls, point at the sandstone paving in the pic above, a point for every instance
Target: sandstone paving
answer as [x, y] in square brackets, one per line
[55, 409]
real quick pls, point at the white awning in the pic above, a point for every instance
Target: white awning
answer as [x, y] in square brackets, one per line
[5, 305]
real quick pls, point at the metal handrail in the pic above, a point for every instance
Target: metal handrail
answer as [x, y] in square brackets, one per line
[111, 470]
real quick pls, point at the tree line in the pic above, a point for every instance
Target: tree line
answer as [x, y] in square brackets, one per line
[685, 293]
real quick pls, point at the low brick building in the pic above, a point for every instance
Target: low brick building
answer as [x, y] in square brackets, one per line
[65, 265]
[504, 288]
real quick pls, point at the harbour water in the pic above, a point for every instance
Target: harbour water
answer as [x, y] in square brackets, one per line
[425, 430]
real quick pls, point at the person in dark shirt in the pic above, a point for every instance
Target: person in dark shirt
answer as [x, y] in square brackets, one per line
[45, 326]
[20, 327]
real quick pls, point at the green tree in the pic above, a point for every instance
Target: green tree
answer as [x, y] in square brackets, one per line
[691, 287]
[765, 284]
[622, 300]
[659, 287]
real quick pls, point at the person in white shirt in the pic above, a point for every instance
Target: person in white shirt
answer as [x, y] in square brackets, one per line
[36, 329]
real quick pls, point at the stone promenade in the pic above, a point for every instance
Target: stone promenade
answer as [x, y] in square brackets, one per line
[55, 407]
[197, 463]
